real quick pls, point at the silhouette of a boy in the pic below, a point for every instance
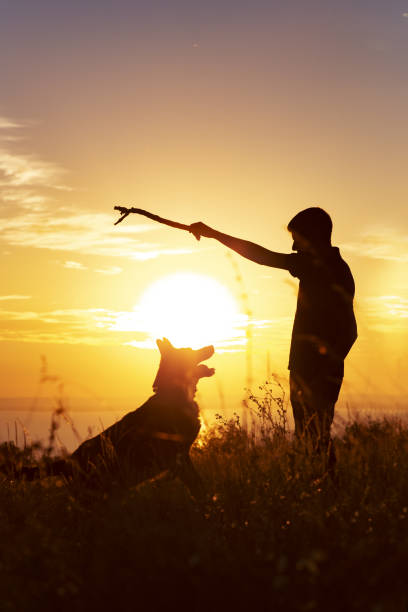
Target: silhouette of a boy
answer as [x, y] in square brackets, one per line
[324, 328]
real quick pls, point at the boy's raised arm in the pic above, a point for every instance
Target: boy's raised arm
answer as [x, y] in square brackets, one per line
[247, 249]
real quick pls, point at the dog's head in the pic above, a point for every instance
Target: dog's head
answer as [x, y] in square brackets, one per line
[181, 368]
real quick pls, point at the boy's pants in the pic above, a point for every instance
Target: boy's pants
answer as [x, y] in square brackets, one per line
[313, 400]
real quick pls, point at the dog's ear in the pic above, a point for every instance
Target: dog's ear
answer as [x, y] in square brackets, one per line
[164, 345]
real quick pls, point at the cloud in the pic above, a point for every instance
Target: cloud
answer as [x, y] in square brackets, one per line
[25, 199]
[381, 244]
[110, 271]
[63, 326]
[17, 170]
[387, 314]
[142, 344]
[391, 306]
[28, 189]
[46, 337]
[233, 346]
[100, 326]
[73, 230]
[4, 298]
[9, 124]
[25, 170]
[74, 265]
[17, 315]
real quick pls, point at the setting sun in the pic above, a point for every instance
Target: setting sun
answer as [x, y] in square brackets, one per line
[190, 309]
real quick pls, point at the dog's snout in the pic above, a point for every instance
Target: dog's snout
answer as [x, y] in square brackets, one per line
[205, 353]
[203, 372]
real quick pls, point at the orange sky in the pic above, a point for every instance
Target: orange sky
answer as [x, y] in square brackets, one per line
[239, 119]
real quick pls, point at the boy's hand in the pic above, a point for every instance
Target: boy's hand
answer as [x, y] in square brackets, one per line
[201, 229]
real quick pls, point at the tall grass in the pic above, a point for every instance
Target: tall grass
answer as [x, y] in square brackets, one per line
[274, 532]
[243, 299]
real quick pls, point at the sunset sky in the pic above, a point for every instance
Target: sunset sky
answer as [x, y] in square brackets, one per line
[238, 114]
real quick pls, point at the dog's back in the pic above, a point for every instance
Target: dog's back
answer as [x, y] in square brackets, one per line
[144, 441]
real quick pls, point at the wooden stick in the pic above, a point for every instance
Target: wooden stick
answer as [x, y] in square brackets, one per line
[139, 211]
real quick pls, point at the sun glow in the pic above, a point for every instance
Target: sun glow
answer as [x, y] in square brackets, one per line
[189, 309]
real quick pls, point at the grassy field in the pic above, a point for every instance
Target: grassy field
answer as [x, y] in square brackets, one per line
[274, 533]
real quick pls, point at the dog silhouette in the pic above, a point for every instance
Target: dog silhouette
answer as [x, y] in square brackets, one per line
[154, 438]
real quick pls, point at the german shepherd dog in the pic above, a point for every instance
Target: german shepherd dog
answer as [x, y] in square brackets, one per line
[153, 438]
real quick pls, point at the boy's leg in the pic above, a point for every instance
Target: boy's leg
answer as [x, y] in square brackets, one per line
[313, 408]
[330, 386]
[299, 406]
[322, 422]
[306, 410]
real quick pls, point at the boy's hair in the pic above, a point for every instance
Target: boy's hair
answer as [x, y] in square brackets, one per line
[314, 224]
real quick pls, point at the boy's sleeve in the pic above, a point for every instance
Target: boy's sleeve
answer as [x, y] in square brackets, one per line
[296, 264]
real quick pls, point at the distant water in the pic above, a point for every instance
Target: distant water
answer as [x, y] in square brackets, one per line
[30, 420]
[32, 426]
[24, 419]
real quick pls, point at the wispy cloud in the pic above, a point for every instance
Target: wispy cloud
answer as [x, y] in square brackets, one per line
[20, 315]
[17, 170]
[385, 244]
[147, 343]
[7, 298]
[232, 346]
[23, 199]
[29, 189]
[50, 337]
[101, 326]
[63, 326]
[392, 306]
[109, 271]
[21, 169]
[9, 124]
[77, 265]
[63, 229]
[385, 313]
[74, 265]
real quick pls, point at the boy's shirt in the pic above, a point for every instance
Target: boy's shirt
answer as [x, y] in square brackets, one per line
[324, 328]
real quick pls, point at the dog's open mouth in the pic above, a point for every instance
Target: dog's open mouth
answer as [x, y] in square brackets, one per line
[202, 371]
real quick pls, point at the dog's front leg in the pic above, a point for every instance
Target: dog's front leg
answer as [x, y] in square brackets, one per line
[187, 473]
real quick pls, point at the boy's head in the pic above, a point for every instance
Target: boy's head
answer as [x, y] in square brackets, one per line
[311, 229]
